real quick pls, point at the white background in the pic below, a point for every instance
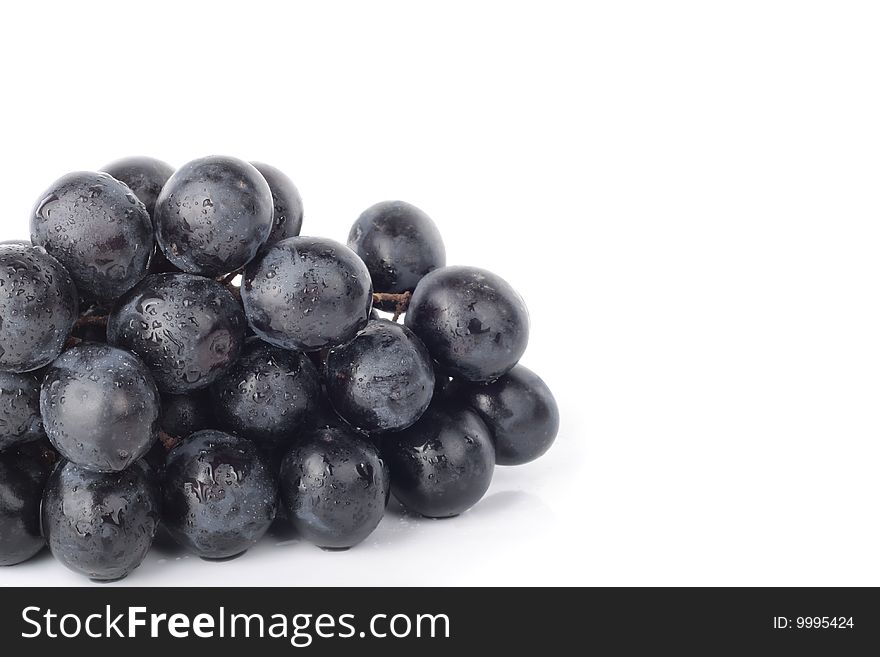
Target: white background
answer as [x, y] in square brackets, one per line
[685, 193]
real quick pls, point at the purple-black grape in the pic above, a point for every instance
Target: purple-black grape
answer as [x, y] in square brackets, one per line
[22, 475]
[334, 487]
[219, 494]
[519, 410]
[307, 293]
[289, 398]
[100, 407]
[286, 202]
[267, 394]
[213, 215]
[20, 420]
[38, 307]
[100, 525]
[188, 329]
[145, 176]
[472, 322]
[98, 229]
[443, 464]
[399, 244]
[382, 380]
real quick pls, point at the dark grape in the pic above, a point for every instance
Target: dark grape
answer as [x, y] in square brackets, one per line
[399, 244]
[176, 397]
[383, 380]
[22, 476]
[334, 487]
[219, 494]
[287, 204]
[307, 293]
[20, 420]
[442, 465]
[145, 176]
[267, 394]
[38, 306]
[100, 524]
[98, 229]
[213, 215]
[183, 415]
[100, 407]
[472, 322]
[519, 410]
[187, 329]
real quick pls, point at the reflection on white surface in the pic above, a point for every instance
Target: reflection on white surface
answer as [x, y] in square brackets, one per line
[506, 539]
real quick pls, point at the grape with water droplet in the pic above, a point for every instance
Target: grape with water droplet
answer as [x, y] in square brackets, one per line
[399, 244]
[100, 407]
[443, 464]
[325, 405]
[98, 229]
[145, 177]
[38, 307]
[471, 320]
[100, 524]
[22, 475]
[219, 494]
[213, 215]
[307, 293]
[382, 380]
[267, 394]
[20, 419]
[189, 330]
[334, 486]
[519, 410]
[287, 216]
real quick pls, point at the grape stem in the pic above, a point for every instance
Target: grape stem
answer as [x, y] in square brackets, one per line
[84, 322]
[399, 299]
[168, 441]
[72, 341]
[90, 321]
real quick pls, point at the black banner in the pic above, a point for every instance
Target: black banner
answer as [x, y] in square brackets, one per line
[435, 621]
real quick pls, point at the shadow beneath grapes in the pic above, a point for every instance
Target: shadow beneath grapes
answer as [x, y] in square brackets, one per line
[400, 525]
[165, 546]
[40, 557]
[396, 510]
[397, 527]
[492, 503]
[281, 534]
[503, 501]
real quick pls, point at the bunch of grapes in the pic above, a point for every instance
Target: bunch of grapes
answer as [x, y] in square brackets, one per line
[141, 384]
